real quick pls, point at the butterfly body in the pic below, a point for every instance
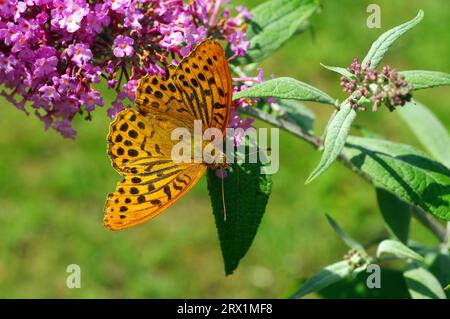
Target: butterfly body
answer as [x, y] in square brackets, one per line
[140, 144]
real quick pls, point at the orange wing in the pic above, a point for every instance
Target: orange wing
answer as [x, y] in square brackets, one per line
[140, 145]
[140, 149]
[199, 88]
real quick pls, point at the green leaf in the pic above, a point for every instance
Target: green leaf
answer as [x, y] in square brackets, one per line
[396, 214]
[341, 71]
[350, 242]
[246, 192]
[273, 23]
[327, 276]
[397, 249]
[422, 284]
[440, 267]
[285, 88]
[429, 130]
[404, 171]
[336, 135]
[296, 112]
[426, 79]
[384, 42]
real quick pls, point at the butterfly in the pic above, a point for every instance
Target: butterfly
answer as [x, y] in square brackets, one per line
[140, 144]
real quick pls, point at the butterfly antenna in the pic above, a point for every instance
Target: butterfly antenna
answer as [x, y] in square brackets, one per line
[223, 203]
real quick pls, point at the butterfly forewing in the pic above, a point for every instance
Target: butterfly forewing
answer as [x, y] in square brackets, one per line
[204, 81]
[199, 88]
[159, 95]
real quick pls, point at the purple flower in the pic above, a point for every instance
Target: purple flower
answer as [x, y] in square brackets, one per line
[237, 122]
[79, 53]
[45, 67]
[49, 93]
[19, 41]
[65, 128]
[72, 15]
[243, 12]
[64, 82]
[172, 37]
[123, 46]
[92, 73]
[133, 19]
[42, 18]
[52, 52]
[7, 63]
[239, 44]
[119, 5]
[19, 8]
[260, 75]
[117, 107]
[130, 89]
[221, 173]
[91, 99]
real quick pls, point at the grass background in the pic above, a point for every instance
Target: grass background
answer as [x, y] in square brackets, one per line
[52, 190]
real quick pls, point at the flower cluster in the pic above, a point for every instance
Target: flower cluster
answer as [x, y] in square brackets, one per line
[356, 260]
[54, 52]
[387, 88]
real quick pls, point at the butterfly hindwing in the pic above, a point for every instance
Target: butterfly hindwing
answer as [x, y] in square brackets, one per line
[138, 199]
[152, 181]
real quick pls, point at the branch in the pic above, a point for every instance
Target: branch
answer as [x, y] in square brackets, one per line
[428, 221]
[286, 125]
[423, 217]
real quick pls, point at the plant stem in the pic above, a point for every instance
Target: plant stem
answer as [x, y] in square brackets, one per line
[423, 217]
[431, 223]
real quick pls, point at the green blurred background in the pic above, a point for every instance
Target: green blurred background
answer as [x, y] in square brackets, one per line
[52, 190]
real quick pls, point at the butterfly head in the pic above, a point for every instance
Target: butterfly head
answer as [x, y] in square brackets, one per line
[214, 157]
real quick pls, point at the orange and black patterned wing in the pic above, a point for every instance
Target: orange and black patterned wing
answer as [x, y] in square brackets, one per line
[204, 84]
[200, 88]
[159, 95]
[140, 149]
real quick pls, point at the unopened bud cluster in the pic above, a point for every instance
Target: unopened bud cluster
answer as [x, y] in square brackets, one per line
[387, 87]
[354, 259]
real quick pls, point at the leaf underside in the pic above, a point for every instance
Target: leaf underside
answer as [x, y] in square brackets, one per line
[380, 47]
[285, 88]
[336, 135]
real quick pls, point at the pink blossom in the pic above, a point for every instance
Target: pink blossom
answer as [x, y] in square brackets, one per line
[45, 67]
[130, 89]
[73, 15]
[49, 93]
[64, 126]
[52, 52]
[123, 46]
[91, 99]
[117, 107]
[79, 53]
